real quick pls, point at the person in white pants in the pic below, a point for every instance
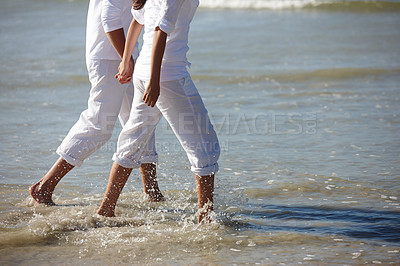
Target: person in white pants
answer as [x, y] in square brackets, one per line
[163, 87]
[107, 23]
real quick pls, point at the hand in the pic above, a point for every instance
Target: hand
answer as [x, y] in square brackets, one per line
[151, 94]
[125, 72]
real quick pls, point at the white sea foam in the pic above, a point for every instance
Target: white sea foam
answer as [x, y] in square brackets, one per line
[289, 4]
[261, 4]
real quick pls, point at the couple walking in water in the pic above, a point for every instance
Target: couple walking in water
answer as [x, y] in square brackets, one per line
[146, 87]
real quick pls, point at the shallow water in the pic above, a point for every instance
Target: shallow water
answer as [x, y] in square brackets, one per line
[305, 100]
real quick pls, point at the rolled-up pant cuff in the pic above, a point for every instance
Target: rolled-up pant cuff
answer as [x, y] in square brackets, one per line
[125, 162]
[209, 170]
[149, 159]
[69, 159]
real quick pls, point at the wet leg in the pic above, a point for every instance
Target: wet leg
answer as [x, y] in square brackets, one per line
[118, 177]
[205, 192]
[150, 184]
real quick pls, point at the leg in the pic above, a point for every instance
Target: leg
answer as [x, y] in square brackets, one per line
[205, 192]
[42, 191]
[150, 184]
[149, 157]
[136, 140]
[118, 177]
[183, 108]
[90, 132]
[132, 141]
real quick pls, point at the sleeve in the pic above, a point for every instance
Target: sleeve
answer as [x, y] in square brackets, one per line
[138, 15]
[111, 14]
[168, 15]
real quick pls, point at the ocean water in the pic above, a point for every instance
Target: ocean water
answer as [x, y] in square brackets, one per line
[304, 96]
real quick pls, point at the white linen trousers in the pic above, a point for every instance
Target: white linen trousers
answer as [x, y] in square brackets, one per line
[108, 99]
[181, 105]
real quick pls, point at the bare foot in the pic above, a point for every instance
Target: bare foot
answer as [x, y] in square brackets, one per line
[41, 197]
[106, 213]
[204, 217]
[155, 195]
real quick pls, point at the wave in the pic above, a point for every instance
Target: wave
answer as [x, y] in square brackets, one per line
[356, 223]
[319, 75]
[336, 74]
[328, 5]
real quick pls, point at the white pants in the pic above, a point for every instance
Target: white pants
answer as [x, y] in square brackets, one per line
[108, 99]
[181, 105]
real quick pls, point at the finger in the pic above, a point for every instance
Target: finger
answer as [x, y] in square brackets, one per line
[127, 81]
[153, 102]
[123, 79]
[126, 77]
[120, 78]
[149, 101]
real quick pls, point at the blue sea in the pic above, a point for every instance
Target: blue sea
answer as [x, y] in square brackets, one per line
[304, 96]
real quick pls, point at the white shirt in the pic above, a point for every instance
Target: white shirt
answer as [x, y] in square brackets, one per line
[172, 17]
[106, 16]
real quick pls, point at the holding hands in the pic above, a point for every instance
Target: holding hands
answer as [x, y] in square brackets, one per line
[124, 75]
[125, 72]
